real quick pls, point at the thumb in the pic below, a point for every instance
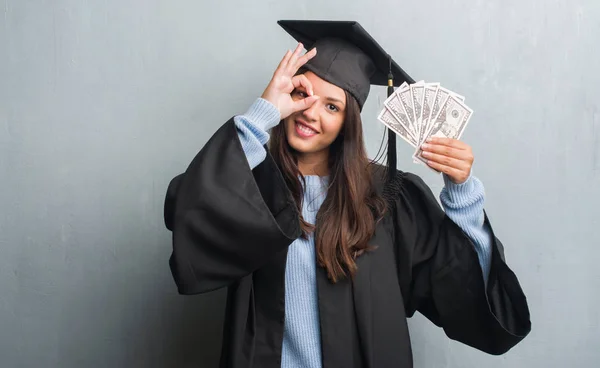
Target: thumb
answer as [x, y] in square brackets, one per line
[304, 103]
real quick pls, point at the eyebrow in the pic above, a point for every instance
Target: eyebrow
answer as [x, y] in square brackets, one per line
[335, 100]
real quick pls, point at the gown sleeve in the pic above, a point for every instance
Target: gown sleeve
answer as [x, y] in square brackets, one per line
[464, 204]
[227, 220]
[440, 274]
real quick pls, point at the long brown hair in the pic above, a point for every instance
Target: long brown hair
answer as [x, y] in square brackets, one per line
[347, 218]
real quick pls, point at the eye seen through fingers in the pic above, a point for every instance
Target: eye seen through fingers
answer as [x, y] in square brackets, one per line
[330, 106]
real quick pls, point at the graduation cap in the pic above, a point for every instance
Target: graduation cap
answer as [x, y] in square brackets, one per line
[348, 57]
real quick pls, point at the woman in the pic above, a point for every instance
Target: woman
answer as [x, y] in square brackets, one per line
[324, 257]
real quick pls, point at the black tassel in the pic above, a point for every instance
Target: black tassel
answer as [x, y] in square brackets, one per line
[391, 146]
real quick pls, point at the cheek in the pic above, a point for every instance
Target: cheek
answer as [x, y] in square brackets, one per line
[288, 125]
[332, 127]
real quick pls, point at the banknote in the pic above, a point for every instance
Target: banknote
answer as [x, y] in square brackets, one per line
[405, 97]
[428, 99]
[417, 93]
[441, 96]
[387, 118]
[394, 104]
[450, 122]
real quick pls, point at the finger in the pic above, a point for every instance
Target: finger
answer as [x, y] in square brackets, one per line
[446, 161]
[447, 151]
[304, 103]
[301, 80]
[294, 59]
[450, 142]
[305, 58]
[455, 174]
[283, 63]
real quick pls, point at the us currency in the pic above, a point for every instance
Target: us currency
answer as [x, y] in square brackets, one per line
[450, 122]
[405, 97]
[417, 94]
[394, 104]
[428, 99]
[388, 119]
[440, 99]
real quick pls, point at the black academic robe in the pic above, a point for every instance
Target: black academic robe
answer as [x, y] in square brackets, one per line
[232, 226]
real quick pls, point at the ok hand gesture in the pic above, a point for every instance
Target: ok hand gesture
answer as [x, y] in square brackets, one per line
[284, 81]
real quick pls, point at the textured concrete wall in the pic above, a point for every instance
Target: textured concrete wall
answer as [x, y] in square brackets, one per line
[102, 102]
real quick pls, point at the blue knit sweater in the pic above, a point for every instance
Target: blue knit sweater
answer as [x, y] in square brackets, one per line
[463, 203]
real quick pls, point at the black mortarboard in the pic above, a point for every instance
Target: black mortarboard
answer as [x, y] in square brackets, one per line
[347, 55]
[350, 58]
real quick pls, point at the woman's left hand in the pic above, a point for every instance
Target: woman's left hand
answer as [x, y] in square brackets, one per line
[449, 156]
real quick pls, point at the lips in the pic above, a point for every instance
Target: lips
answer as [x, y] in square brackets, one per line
[304, 130]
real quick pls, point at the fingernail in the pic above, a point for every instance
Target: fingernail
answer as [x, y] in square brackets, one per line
[429, 139]
[425, 146]
[425, 153]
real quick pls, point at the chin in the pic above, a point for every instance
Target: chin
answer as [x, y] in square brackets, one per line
[301, 147]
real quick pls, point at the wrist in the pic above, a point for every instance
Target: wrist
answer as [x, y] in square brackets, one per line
[265, 96]
[263, 114]
[464, 194]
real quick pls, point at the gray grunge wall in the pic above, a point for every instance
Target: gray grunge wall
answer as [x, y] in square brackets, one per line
[102, 102]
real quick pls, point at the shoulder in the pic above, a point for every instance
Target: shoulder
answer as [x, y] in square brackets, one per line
[402, 183]
[408, 198]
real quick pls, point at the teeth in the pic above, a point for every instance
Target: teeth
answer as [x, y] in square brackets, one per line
[305, 129]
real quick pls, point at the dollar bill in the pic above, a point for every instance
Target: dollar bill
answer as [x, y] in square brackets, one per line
[387, 118]
[417, 93]
[450, 122]
[439, 101]
[405, 97]
[428, 99]
[394, 104]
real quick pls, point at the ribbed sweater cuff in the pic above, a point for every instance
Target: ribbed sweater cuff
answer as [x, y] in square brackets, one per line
[252, 129]
[263, 114]
[464, 194]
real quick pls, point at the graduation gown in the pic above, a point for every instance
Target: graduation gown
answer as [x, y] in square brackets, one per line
[232, 226]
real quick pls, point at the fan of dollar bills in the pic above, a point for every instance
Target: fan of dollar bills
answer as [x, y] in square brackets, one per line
[418, 111]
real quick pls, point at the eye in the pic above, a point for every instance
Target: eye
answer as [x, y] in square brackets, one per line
[332, 108]
[299, 93]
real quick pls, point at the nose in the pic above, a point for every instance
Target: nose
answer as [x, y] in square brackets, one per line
[312, 112]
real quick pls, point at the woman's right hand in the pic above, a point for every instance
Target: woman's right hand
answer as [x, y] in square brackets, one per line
[284, 81]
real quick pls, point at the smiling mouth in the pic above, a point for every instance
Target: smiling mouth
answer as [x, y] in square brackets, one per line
[305, 131]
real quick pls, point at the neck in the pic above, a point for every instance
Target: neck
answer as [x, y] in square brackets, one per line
[314, 163]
